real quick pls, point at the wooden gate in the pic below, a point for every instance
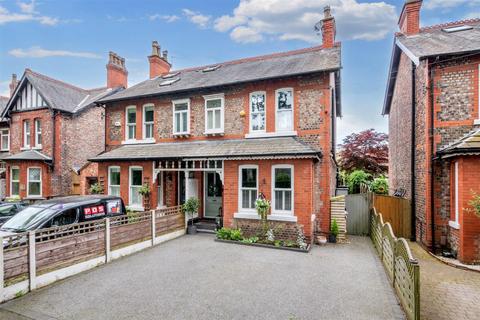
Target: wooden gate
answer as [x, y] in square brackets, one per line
[358, 213]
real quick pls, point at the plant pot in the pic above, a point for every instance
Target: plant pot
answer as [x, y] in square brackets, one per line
[321, 240]
[332, 238]
[191, 229]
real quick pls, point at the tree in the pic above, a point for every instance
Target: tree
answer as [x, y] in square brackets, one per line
[366, 150]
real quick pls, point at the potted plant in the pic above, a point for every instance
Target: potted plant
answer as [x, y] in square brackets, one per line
[145, 191]
[190, 207]
[263, 206]
[333, 231]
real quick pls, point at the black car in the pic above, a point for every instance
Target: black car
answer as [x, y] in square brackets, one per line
[9, 209]
[63, 211]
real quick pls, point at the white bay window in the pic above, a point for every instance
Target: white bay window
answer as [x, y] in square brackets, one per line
[34, 182]
[14, 181]
[248, 187]
[114, 181]
[135, 183]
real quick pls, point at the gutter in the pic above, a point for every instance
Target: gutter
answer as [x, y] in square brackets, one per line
[413, 221]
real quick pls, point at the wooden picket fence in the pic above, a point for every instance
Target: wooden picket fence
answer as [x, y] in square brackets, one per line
[37, 258]
[396, 211]
[402, 269]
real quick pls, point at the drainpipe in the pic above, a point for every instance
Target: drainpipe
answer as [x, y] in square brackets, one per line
[413, 234]
[432, 161]
[54, 114]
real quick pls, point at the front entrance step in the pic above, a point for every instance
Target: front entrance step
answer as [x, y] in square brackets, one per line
[205, 226]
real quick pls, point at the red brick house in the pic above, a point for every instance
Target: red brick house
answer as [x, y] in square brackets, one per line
[4, 147]
[432, 101]
[54, 127]
[227, 132]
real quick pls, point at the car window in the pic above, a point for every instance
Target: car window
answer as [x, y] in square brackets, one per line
[66, 217]
[7, 210]
[28, 219]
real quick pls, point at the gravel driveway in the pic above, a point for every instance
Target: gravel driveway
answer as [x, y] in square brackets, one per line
[194, 277]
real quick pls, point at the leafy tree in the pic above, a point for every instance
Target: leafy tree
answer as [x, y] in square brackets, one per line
[356, 178]
[380, 185]
[366, 150]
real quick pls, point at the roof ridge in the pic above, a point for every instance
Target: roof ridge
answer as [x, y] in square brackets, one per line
[449, 24]
[257, 58]
[28, 70]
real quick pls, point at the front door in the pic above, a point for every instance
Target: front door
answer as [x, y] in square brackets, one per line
[213, 194]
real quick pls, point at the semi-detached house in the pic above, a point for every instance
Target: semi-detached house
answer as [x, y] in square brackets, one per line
[228, 132]
[52, 129]
[432, 102]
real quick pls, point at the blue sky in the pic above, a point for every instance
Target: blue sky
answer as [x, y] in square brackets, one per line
[70, 40]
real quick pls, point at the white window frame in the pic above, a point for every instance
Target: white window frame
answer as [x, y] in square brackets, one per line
[277, 110]
[27, 139]
[292, 189]
[109, 181]
[2, 134]
[130, 205]
[181, 101]
[28, 183]
[250, 111]
[14, 181]
[456, 224]
[240, 168]
[160, 198]
[38, 133]
[145, 123]
[128, 125]
[211, 97]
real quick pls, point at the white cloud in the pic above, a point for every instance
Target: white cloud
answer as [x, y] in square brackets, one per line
[434, 4]
[27, 13]
[197, 18]
[166, 17]
[295, 19]
[38, 52]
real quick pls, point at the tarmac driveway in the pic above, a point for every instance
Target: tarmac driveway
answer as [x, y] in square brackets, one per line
[194, 277]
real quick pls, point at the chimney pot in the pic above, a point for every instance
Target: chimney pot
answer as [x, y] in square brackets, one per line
[327, 12]
[165, 55]
[328, 28]
[158, 63]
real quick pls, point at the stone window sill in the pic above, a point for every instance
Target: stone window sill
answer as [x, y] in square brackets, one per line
[454, 225]
[144, 141]
[135, 208]
[271, 217]
[270, 134]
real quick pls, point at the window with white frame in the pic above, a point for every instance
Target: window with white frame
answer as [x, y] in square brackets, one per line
[282, 189]
[148, 111]
[131, 122]
[114, 181]
[38, 133]
[34, 182]
[284, 109]
[248, 183]
[214, 113]
[181, 116]
[26, 133]
[135, 183]
[257, 111]
[5, 139]
[160, 202]
[14, 181]
[455, 222]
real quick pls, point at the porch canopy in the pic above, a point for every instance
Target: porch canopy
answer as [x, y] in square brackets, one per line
[208, 155]
[468, 145]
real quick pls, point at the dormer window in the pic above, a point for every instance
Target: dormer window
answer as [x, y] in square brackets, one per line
[131, 122]
[257, 112]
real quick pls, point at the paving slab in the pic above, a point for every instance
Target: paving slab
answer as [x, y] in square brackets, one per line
[194, 277]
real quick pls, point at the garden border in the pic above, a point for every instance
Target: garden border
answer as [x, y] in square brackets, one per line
[267, 246]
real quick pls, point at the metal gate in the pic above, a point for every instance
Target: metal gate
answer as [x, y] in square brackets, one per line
[358, 209]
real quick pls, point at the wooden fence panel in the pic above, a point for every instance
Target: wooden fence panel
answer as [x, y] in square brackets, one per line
[396, 211]
[15, 264]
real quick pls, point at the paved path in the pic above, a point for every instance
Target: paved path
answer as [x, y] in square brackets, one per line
[446, 292]
[194, 277]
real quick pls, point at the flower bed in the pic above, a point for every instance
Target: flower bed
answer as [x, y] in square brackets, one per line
[228, 235]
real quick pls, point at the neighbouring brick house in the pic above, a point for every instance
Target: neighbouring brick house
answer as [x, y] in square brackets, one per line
[227, 132]
[432, 101]
[4, 147]
[54, 127]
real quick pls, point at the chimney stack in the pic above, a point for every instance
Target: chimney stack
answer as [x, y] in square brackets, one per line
[328, 28]
[159, 64]
[13, 84]
[409, 21]
[117, 74]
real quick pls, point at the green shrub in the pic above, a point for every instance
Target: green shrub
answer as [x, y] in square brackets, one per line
[334, 229]
[380, 185]
[475, 203]
[96, 188]
[236, 235]
[356, 178]
[250, 240]
[230, 234]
